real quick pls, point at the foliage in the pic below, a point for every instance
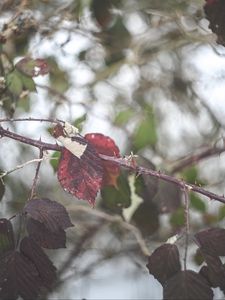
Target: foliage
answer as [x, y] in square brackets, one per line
[127, 64]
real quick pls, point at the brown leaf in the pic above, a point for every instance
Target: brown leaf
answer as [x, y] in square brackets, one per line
[211, 241]
[164, 262]
[187, 285]
[215, 13]
[50, 213]
[18, 276]
[214, 272]
[46, 269]
[6, 236]
[44, 237]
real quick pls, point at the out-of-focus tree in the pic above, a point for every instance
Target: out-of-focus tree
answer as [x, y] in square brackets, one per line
[130, 70]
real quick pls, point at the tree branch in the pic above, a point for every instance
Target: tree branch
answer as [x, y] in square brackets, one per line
[122, 162]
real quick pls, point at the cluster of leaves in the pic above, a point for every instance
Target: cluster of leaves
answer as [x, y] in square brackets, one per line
[25, 270]
[18, 79]
[164, 265]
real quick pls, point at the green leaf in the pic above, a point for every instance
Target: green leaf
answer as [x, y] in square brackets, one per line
[177, 219]
[117, 198]
[123, 117]
[55, 160]
[14, 82]
[2, 188]
[191, 176]
[28, 83]
[197, 203]
[58, 78]
[79, 121]
[145, 134]
[221, 213]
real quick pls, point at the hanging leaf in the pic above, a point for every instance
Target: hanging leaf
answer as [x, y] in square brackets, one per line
[168, 197]
[214, 272]
[164, 262]
[80, 170]
[197, 203]
[146, 216]
[32, 67]
[145, 135]
[45, 268]
[187, 285]
[44, 237]
[123, 117]
[6, 236]
[50, 213]
[212, 241]
[14, 82]
[115, 199]
[105, 145]
[18, 277]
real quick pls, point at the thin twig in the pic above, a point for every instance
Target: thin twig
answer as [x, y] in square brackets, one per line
[5, 173]
[187, 226]
[115, 219]
[35, 180]
[188, 161]
[56, 121]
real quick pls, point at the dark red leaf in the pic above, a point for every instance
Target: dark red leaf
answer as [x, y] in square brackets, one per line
[187, 285]
[105, 145]
[214, 272]
[44, 237]
[6, 236]
[46, 269]
[18, 276]
[51, 213]
[32, 67]
[82, 177]
[215, 13]
[80, 168]
[164, 262]
[211, 241]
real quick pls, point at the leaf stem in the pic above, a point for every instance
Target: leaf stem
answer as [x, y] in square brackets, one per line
[187, 226]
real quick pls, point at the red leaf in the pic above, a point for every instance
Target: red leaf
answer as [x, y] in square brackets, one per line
[32, 67]
[81, 176]
[80, 169]
[105, 145]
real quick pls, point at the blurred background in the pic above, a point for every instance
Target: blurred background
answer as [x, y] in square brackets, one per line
[150, 75]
